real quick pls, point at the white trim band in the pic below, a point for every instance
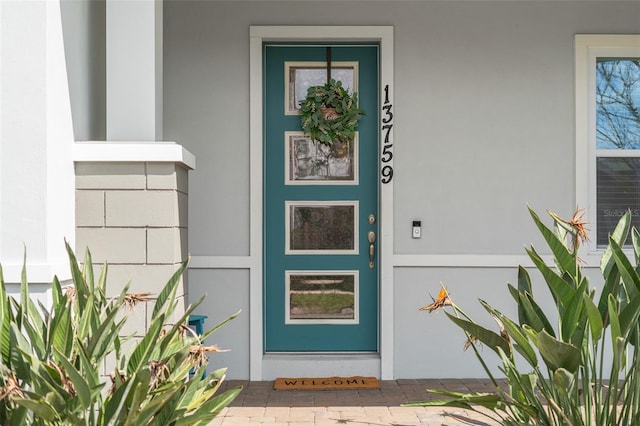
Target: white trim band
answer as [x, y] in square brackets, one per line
[36, 274]
[98, 151]
[411, 261]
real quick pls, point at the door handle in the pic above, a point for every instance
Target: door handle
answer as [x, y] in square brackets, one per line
[371, 236]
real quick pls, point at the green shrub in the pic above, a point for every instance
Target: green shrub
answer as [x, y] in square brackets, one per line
[328, 303]
[51, 359]
[583, 371]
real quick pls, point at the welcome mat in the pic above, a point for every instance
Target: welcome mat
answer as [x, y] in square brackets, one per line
[326, 383]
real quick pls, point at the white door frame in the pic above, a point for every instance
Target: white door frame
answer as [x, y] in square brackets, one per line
[258, 35]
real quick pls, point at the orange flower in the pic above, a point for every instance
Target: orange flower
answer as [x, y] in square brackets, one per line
[131, 300]
[576, 226]
[471, 341]
[438, 302]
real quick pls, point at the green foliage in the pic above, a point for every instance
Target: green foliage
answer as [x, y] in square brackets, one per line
[585, 370]
[51, 360]
[330, 303]
[329, 127]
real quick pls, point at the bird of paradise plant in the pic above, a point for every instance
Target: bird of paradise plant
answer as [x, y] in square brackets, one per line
[583, 371]
[52, 359]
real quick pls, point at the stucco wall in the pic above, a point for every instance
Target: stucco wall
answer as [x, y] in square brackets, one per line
[85, 47]
[484, 124]
[483, 111]
[226, 292]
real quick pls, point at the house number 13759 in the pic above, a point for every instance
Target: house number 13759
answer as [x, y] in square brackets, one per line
[386, 172]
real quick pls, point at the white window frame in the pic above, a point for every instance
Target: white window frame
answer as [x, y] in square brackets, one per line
[290, 180]
[587, 49]
[352, 65]
[304, 203]
[356, 298]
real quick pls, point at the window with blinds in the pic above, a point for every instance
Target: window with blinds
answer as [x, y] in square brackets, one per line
[617, 130]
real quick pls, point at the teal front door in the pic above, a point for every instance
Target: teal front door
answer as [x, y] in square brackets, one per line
[321, 207]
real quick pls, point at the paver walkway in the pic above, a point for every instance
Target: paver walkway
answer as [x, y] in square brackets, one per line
[259, 404]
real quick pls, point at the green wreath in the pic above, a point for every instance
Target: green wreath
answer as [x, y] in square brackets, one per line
[329, 113]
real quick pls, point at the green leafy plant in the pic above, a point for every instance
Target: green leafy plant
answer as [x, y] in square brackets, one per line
[583, 371]
[328, 303]
[51, 359]
[329, 113]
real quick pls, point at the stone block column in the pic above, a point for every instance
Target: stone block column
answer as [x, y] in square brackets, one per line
[131, 212]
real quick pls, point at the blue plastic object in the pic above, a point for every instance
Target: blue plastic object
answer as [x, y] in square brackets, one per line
[197, 323]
